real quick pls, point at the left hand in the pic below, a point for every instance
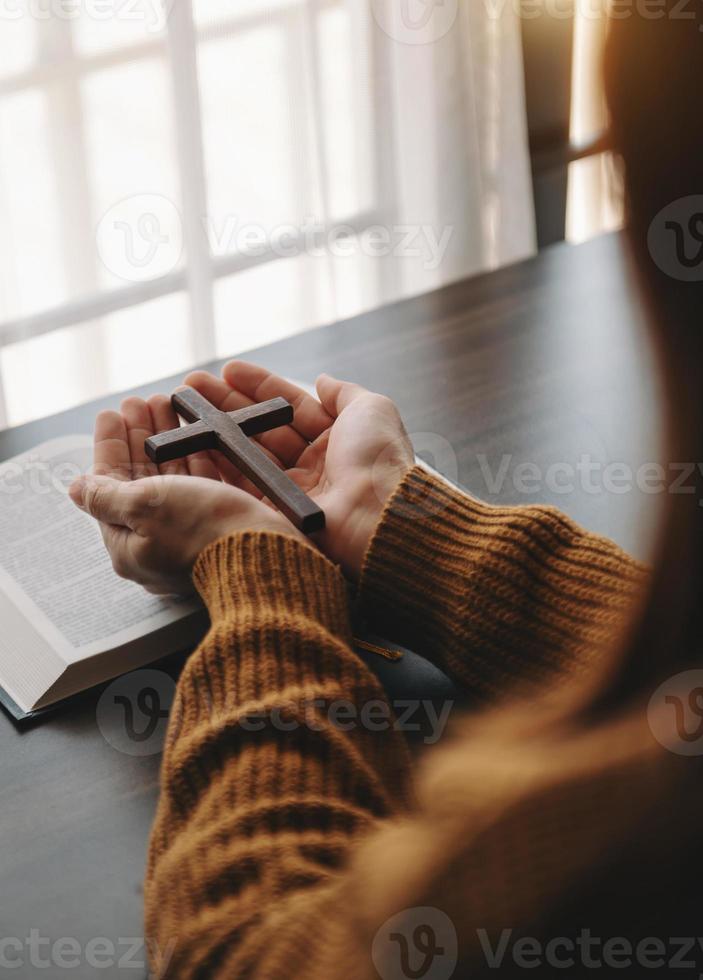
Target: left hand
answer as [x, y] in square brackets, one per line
[156, 521]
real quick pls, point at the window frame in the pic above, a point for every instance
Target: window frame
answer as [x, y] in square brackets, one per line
[201, 268]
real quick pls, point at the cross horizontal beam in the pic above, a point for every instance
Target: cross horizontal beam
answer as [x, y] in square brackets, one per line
[201, 434]
[208, 428]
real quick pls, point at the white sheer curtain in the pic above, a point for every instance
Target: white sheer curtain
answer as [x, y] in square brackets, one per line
[191, 180]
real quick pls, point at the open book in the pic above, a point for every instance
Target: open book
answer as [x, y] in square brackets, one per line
[67, 622]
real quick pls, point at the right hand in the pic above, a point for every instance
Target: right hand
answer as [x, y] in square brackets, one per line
[349, 451]
[155, 521]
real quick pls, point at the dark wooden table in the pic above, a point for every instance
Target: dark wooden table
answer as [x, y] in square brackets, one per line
[545, 363]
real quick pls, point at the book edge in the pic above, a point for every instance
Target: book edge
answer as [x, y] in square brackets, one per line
[11, 707]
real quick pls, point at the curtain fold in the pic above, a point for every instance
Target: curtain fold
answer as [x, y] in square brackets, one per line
[461, 155]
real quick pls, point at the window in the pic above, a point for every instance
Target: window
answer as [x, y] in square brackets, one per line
[123, 124]
[186, 179]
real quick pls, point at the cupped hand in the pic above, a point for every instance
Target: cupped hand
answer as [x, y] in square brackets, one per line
[155, 521]
[348, 451]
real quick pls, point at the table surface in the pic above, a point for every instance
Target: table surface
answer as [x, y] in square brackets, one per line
[545, 363]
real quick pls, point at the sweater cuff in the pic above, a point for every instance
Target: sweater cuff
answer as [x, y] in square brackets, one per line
[257, 571]
[413, 560]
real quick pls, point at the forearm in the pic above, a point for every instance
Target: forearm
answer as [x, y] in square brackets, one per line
[493, 595]
[267, 782]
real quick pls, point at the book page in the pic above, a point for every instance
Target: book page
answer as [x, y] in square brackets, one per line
[53, 563]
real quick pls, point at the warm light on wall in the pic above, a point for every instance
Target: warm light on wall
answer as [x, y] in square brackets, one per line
[593, 205]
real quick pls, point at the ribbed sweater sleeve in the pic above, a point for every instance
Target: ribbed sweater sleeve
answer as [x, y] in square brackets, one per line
[268, 777]
[286, 837]
[493, 595]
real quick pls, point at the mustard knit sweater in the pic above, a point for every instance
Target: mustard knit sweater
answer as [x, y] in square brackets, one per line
[287, 838]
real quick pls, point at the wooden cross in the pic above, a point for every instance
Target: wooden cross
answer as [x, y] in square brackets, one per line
[228, 432]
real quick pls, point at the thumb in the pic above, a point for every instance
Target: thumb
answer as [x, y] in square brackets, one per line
[336, 395]
[108, 500]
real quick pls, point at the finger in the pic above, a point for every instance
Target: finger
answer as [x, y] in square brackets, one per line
[221, 396]
[235, 478]
[204, 466]
[257, 383]
[336, 395]
[284, 443]
[217, 391]
[112, 502]
[140, 426]
[111, 455]
[117, 542]
[165, 418]
[214, 464]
